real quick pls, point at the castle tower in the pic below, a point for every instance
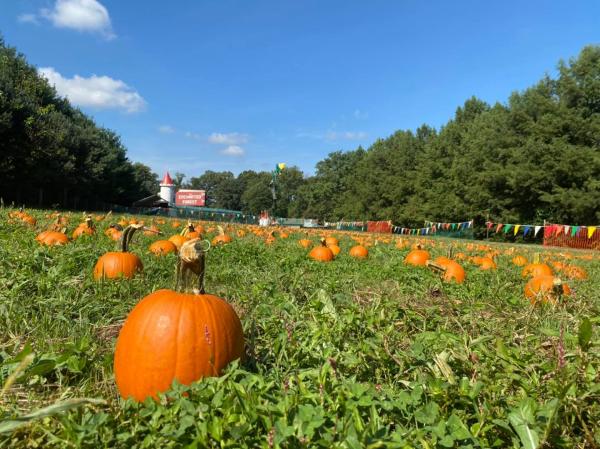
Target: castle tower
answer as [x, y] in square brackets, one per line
[167, 189]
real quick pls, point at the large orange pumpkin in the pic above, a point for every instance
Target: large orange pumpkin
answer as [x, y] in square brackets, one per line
[359, 252]
[417, 257]
[172, 336]
[113, 265]
[321, 253]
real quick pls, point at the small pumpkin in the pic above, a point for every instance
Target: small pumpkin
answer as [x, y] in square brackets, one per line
[177, 240]
[221, 238]
[545, 288]
[305, 243]
[52, 238]
[176, 335]
[114, 265]
[449, 269]
[331, 240]
[417, 257]
[519, 261]
[321, 253]
[162, 247]
[359, 252]
[85, 228]
[487, 263]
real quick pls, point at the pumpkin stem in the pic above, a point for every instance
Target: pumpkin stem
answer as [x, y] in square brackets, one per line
[435, 267]
[127, 236]
[192, 261]
[323, 242]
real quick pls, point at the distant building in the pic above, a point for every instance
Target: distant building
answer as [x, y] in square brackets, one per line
[168, 197]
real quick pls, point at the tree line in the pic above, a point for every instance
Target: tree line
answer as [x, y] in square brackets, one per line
[53, 154]
[535, 157]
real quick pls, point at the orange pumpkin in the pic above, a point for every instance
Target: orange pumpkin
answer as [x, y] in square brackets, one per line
[334, 249]
[52, 238]
[114, 265]
[177, 240]
[519, 261]
[576, 272]
[86, 228]
[162, 247]
[305, 243]
[417, 257]
[536, 269]
[321, 253]
[545, 288]
[487, 263]
[449, 269]
[359, 252]
[221, 238]
[329, 241]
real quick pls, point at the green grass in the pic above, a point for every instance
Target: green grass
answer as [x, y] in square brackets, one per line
[348, 354]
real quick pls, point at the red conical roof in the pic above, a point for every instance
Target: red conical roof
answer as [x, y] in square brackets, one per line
[167, 180]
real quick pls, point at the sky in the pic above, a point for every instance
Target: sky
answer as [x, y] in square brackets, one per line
[234, 85]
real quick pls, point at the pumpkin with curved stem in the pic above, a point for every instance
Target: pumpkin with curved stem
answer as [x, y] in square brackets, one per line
[114, 265]
[321, 253]
[162, 247]
[85, 228]
[221, 238]
[190, 232]
[449, 269]
[359, 252]
[545, 288]
[177, 335]
[417, 257]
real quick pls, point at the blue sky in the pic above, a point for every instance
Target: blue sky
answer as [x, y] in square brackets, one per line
[233, 85]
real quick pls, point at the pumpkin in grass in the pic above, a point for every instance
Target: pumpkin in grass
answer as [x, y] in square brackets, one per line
[359, 252]
[331, 240]
[545, 288]
[417, 257]
[52, 238]
[177, 240]
[335, 249]
[221, 238]
[162, 247]
[487, 263]
[85, 228]
[176, 336]
[152, 230]
[190, 232]
[536, 269]
[519, 261]
[321, 253]
[305, 243]
[114, 265]
[575, 272]
[450, 270]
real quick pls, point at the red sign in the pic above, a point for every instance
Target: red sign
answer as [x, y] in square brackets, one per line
[190, 198]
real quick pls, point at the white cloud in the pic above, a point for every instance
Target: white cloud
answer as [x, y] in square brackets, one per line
[233, 150]
[28, 18]
[166, 129]
[98, 92]
[81, 15]
[228, 138]
[345, 135]
[191, 135]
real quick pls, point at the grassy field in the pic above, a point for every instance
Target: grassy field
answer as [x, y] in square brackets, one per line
[348, 354]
